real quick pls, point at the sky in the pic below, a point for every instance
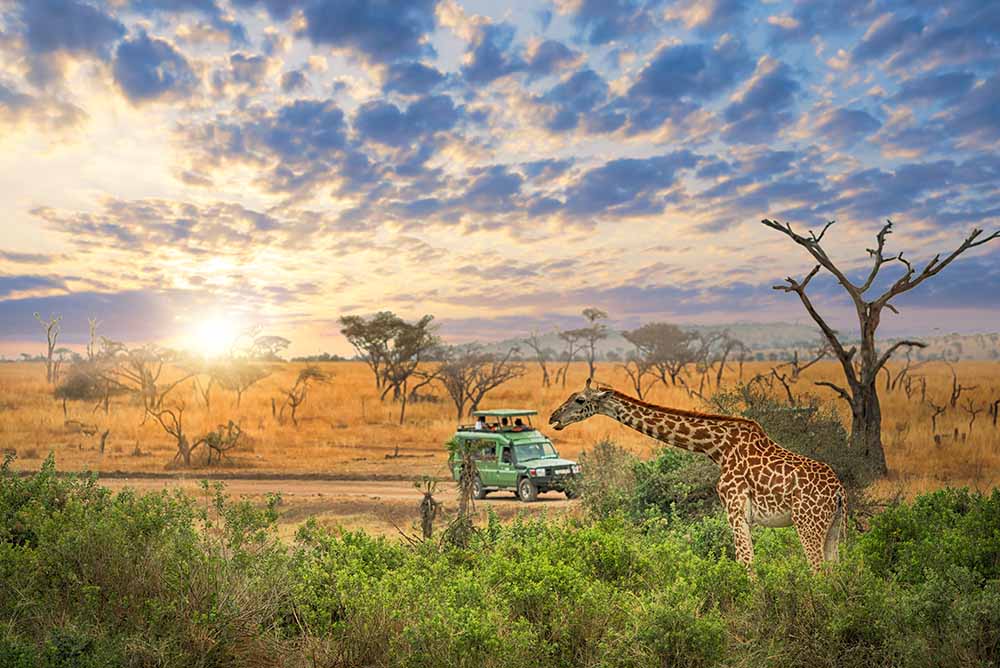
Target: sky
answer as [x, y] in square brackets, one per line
[182, 168]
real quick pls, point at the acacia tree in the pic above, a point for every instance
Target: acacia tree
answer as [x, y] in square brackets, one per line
[861, 364]
[371, 338]
[593, 333]
[296, 395]
[468, 374]
[410, 345]
[52, 328]
[534, 342]
[666, 346]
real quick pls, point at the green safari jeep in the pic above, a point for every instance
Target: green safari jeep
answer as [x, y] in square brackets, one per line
[510, 454]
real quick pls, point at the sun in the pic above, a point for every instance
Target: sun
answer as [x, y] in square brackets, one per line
[215, 336]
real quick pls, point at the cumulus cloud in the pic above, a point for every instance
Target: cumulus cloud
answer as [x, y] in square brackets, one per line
[764, 106]
[148, 68]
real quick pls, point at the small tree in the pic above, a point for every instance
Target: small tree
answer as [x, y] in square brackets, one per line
[296, 395]
[172, 421]
[468, 374]
[371, 338]
[52, 328]
[637, 366]
[861, 366]
[268, 347]
[667, 347]
[596, 331]
[239, 376]
[534, 342]
[572, 338]
[411, 344]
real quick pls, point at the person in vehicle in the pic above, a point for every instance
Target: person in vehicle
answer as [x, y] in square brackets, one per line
[505, 457]
[504, 424]
[519, 425]
[480, 423]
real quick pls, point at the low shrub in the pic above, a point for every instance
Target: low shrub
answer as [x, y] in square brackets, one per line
[90, 578]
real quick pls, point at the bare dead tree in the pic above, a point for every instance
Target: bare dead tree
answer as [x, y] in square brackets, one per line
[593, 333]
[936, 411]
[861, 393]
[728, 346]
[534, 342]
[172, 421]
[92, 345]
[957, 388]
[52, 328]
[973, 410]
[296, 395]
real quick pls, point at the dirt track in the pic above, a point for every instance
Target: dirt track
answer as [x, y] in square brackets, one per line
[375, 505]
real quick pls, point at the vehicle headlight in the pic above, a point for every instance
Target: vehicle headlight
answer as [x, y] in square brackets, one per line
[576, 468]
[540, 472]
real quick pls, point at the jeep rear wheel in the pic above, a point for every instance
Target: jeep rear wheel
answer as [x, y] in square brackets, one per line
[570, 493]
[526, 490]
[478, 491]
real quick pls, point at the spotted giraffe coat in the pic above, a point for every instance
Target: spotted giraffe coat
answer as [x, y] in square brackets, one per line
[759, 481]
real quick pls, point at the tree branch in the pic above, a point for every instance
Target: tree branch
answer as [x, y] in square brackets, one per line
[836, 388]
[888, 353]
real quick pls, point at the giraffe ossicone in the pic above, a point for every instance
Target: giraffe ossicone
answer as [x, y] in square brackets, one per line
[760, 482]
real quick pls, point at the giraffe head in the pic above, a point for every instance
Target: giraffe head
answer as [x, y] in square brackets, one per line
[579, 406]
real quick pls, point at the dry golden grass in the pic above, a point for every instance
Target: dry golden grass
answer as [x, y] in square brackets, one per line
[346, 429]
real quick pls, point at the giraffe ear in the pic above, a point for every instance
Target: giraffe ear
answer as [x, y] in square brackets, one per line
[588, 382]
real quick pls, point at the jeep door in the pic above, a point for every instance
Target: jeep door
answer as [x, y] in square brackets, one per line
[506, 471]
[485, 454]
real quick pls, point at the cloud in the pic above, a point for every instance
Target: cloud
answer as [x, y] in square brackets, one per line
[385, 123]
[27, 258]
[148, 68]
[411, 78]
[885, 35]
[380, 31]
[845, 127]
[491, 55]
[603, 21]
[52, 28]
[46, 112]
[763, 107]
[697, 71]
[25, 283]
[627, 187]
[550, 56]
[935, 87]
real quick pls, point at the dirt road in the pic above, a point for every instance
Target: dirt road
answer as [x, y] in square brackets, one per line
[378, 506]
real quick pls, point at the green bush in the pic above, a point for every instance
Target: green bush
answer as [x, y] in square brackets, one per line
[92, 579]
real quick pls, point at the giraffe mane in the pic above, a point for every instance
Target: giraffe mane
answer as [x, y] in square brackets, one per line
[680, 411]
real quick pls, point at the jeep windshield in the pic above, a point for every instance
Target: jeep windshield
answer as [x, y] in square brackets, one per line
[528, 451]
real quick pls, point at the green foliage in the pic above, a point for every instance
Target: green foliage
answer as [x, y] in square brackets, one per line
[94, 579]
[674, 485]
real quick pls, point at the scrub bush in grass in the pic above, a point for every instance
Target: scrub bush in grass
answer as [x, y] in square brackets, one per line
[946, 528]
[675, 484]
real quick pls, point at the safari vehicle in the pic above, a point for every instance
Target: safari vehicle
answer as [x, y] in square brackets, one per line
[510, 454]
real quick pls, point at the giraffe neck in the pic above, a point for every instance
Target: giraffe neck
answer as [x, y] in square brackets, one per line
[703, 434]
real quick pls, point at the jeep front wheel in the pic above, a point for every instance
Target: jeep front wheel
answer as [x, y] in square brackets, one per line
[527, 490]
[478, 491]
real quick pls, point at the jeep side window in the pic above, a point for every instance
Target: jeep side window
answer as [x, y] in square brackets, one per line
[488, 451]
[506, 455]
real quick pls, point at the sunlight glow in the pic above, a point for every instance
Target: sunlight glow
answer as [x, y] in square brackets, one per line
[215, 336]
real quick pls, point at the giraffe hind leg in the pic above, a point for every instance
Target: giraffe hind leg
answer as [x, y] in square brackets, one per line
[835, 533]
[736, 512]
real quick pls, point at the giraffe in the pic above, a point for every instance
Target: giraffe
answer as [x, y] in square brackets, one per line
[760, 482]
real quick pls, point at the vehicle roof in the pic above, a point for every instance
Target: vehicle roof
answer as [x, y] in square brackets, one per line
[504, 412]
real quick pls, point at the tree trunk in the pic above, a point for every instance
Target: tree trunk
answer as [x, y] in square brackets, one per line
[866, 425]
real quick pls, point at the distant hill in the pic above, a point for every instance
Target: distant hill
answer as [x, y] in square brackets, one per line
[778, 339]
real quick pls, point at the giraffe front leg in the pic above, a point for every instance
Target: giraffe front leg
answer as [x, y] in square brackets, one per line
[736, 511]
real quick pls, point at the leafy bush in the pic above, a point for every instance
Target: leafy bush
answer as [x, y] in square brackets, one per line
[94, 579]
[674, 485]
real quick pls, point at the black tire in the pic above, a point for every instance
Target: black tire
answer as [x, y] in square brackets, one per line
[570, 493]
[526, 490]
[478, 491]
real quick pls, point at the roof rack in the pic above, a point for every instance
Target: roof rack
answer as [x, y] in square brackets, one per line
[504, 412]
